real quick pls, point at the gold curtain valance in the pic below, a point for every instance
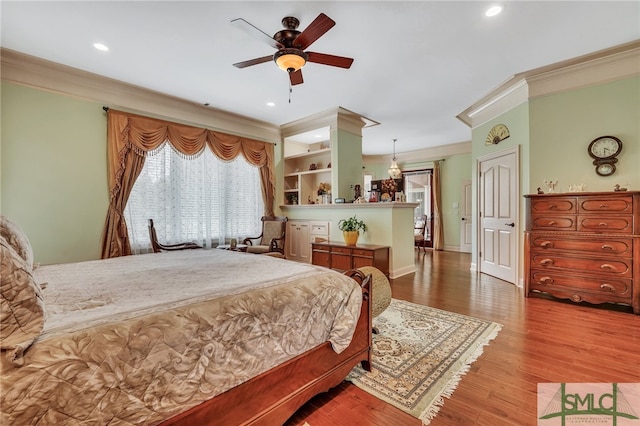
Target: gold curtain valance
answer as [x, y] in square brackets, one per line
[130, 136]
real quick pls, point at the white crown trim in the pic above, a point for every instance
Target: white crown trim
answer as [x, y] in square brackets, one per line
[600, 67]
[35, 72]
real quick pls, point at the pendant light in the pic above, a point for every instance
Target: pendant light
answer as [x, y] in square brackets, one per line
[394, 170]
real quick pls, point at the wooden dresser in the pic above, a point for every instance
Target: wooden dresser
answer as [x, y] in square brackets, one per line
[584, 246]
[342, 257]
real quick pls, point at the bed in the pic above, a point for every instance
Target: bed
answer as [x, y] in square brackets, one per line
[193, 337]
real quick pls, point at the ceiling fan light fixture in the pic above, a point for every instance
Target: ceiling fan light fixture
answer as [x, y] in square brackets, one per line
[290, 60]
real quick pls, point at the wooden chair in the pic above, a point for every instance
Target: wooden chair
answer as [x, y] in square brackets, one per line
[272, 237]
[157, 247]
[419, 229]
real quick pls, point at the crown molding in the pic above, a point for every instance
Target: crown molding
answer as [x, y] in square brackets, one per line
[334, 118]
[31, 71]
[421, 155]
[604, 66]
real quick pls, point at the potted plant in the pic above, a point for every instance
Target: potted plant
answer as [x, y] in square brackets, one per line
[351, 229]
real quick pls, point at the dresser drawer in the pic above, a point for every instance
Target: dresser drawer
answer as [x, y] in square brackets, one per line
[545, 281]
[608, 224]
[340, 261]
[554, 205]
[361, 252]
[610, 267]
[359, 262]
[344, 250]
[553, 223]
[618, 204]
[618, 247]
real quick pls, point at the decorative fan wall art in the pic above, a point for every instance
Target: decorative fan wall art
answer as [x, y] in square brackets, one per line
[497, 134]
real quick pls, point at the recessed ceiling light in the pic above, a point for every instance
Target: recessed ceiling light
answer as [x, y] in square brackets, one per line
[271, 104]
[494, 10]
[101, 47]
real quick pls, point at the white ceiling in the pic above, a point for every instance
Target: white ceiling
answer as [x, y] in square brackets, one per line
[417, 64]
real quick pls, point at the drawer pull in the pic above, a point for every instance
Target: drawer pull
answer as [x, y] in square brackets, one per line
[603, 206]
[553, 222]
[607, 247]
[552, 206]
[607, 287]
[546, 262]
[608, 267]
[602, 224]
[546, 280]
[546, 244]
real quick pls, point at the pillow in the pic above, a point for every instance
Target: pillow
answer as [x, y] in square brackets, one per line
[14, 235]
[21, 305]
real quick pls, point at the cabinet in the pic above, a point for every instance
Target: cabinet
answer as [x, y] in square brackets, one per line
[342, 257]
[300, 235]
[298, 245]
[303, 173]
[584, 247]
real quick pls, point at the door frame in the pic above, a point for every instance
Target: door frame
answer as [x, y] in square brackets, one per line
[466, 248]
[479, 160]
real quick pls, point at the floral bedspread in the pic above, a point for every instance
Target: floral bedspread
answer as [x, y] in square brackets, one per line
[139, 339]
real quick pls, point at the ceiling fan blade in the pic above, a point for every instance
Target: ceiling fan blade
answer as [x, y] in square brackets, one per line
[314, 31]
[332, 60]
[256, 32]
[255, 61]
[296, 77]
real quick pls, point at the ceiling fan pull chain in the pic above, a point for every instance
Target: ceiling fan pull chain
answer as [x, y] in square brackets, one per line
[290, 91]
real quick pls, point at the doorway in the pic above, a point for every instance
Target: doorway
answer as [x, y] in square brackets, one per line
[498, 214]
[418, 189]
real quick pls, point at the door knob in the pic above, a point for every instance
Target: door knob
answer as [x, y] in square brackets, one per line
[512, 224]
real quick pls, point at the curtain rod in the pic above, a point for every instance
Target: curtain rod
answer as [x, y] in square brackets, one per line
[105, 108]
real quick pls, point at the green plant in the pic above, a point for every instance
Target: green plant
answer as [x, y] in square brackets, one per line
[351, 224]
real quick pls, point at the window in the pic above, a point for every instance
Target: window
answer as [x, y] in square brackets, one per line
[203, 199]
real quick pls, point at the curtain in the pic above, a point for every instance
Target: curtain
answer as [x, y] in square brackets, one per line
[438, 231]
[205, 200]
[130, 137]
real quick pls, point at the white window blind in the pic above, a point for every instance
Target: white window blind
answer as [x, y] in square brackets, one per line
[203, 199]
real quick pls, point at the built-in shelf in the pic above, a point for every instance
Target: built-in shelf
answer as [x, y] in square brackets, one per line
[302, 182]
[308, 172]
[309, 154]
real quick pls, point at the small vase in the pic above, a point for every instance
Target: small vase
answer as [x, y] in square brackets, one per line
[326, 199]
[350, 237]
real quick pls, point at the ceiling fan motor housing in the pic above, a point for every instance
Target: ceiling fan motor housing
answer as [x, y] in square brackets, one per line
[290, 59]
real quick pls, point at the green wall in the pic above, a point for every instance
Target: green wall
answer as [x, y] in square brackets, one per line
[563, 125]
[346, 160]
[454, 170]
[553, 133]
[54, 172]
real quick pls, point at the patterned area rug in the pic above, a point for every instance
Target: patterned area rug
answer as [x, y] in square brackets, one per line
[419, 356]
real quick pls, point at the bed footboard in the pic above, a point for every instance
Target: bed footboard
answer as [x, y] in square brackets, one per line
[272, 397]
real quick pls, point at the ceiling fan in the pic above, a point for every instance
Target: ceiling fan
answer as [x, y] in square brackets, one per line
[291, 44]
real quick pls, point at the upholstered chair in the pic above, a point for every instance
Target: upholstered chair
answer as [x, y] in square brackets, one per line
[272, 237]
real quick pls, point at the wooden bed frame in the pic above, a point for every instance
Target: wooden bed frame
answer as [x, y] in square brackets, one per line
[274, 396]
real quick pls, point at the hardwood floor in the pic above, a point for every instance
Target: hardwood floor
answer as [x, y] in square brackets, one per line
[542, 341]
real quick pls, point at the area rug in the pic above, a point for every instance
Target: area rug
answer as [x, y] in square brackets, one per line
[420, 355]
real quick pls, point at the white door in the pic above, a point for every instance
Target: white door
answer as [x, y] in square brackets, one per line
[465, 217]
[498, 192]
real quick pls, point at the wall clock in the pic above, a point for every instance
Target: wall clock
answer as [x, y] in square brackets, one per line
[604, 150]
[497, 134]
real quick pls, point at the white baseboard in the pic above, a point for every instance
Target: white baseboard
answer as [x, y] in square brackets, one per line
[473, 267]
[395, 273]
